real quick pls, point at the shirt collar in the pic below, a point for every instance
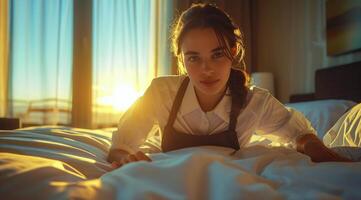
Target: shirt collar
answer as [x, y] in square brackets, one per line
[190, 103]
[223, 108]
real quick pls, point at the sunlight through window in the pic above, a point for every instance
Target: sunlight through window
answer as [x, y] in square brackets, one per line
[122, 98]
[121, 57]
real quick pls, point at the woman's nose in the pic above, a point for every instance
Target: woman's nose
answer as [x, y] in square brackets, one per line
[207, 67]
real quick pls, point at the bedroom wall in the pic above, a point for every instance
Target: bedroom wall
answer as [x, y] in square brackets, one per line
[290, 41]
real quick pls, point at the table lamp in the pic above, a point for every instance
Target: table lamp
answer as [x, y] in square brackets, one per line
[263, 80]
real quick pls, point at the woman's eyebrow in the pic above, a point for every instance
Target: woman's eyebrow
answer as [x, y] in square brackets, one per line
[191, 53]
[196, 53]
[217, 49]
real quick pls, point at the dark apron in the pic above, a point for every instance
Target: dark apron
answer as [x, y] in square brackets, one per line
[173, 140]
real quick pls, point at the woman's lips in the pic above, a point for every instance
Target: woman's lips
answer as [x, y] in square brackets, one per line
[209, 83]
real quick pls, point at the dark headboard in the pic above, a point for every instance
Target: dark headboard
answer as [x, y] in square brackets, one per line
[340, 82]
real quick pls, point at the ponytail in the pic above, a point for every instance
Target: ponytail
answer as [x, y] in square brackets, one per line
[238, 84]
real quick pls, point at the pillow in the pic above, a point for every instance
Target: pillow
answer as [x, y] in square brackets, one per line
[346, 131]
[322, 114]
[352, 153]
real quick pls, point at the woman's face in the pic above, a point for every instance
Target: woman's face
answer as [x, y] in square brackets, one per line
[206, 64]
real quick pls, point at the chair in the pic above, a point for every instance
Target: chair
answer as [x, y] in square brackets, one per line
[49, 111]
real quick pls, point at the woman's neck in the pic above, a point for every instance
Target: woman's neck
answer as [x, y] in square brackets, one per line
[209, 102]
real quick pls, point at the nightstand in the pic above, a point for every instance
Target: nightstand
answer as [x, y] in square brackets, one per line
[9, 123]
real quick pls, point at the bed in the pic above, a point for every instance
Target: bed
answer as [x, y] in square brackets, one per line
[56, 162]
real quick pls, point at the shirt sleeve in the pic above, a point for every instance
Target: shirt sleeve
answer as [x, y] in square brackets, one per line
[137, 121]
[281, 124]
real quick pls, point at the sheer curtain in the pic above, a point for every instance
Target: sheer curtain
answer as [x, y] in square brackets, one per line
[4, 44]
[130, 48]
[41, 61]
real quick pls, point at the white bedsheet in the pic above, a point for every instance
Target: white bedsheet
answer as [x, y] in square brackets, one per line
[64, 163]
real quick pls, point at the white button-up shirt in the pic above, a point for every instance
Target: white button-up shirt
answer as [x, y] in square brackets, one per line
[264, 115]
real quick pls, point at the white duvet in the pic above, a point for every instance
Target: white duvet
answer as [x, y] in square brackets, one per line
[65, 163]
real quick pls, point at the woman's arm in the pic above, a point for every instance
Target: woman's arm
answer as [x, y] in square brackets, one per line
[135, 124]
[120, 157]
[288, 124]
[310, 145]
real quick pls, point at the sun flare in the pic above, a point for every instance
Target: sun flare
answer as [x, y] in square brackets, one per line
[122, 98]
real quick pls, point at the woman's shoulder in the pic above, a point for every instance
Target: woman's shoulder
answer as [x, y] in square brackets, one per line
[257, 92]
[164, 88]
[168, 81]
[258, 96]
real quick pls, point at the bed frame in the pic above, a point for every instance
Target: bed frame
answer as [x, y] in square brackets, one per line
[340, 82]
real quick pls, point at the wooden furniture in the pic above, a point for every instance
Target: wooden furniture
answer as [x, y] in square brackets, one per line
[339, 82]
[49, 111]
[9, 123]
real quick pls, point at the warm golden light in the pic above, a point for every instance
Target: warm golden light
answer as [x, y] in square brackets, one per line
[122, 98]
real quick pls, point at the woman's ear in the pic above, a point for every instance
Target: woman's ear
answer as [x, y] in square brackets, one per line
[234, 51]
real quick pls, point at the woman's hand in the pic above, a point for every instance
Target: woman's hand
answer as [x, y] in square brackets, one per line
[310, 145]
[128, 158]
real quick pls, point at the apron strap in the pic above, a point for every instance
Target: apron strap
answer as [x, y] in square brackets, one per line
[235, 108]
[177, 102]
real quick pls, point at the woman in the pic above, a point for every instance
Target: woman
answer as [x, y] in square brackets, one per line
[211, 103]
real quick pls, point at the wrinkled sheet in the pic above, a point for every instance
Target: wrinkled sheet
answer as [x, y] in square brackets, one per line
[67, 163]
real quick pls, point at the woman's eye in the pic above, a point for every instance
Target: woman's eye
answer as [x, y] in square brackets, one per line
[192, 58]
[218, 54]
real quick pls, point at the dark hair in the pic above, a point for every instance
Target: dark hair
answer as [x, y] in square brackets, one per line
[229, 36]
